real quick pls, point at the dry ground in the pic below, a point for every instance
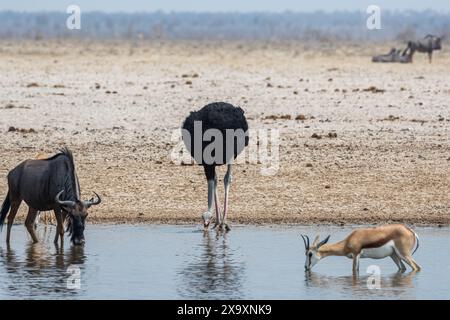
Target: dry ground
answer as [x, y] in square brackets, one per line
[117, 105]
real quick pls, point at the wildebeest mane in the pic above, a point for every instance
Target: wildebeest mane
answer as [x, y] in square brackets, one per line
[71, 184]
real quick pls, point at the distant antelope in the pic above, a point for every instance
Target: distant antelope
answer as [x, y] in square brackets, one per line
[396, 241]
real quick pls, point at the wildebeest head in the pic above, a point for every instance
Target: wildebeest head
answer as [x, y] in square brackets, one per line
[77, 213]
[434, 42]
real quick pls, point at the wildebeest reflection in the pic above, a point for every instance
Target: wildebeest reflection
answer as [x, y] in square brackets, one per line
[40, 269]
[47, 184]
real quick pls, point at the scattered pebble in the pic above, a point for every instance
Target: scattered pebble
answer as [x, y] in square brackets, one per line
[332, 135]
[374, 89]
[14, 129]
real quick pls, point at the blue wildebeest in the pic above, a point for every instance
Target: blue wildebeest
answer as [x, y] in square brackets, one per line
[48, 184]
[426, 45]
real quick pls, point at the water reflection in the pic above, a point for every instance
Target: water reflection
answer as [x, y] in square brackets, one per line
[40, 271]
[357, 286]
[213, 271]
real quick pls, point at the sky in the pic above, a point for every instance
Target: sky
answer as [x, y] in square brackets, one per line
[221, 6]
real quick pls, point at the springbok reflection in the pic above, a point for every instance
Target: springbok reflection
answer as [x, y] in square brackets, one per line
[363, 286]
[214, 271]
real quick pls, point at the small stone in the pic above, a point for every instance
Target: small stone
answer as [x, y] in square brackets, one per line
[332, 135]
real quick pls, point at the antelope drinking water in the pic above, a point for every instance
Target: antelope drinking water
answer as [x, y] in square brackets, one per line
[396, 241]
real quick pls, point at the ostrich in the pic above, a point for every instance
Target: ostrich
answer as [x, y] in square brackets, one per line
[215, 135]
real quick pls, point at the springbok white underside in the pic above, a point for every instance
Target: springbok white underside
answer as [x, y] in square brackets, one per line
[382, 252]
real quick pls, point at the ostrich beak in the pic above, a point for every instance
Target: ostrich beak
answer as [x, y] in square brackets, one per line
[206, 219]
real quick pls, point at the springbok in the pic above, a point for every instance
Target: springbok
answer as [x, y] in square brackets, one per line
[396, 241]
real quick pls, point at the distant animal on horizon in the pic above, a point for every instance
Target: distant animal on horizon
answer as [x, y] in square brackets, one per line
[207, 130]
[48, 184]
[428, 44]
[389, 57]
[405, 56]
[393, 240]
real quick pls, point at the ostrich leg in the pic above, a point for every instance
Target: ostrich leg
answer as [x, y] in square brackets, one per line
[216, 203]
[210, 173]
[227, 182]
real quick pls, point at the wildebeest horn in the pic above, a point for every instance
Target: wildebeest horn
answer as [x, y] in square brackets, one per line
[93, 201]
[63, 203]
[305, 241]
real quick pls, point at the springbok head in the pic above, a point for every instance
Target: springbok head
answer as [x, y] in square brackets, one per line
[312, 251]
[77, 213]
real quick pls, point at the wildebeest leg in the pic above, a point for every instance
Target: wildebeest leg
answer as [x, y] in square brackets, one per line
[430, 55]
[29, 223]
[59, 226]
[12, 214]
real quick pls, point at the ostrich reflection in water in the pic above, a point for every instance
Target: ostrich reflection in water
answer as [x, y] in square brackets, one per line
[213, 270]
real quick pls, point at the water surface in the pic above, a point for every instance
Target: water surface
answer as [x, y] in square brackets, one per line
[174, 262]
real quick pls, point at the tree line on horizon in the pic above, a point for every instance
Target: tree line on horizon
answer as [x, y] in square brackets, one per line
[314, 26]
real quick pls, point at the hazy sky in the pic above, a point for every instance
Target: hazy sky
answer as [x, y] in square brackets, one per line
[224, 5]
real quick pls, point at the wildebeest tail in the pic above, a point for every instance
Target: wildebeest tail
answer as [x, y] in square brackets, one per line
[5, 208]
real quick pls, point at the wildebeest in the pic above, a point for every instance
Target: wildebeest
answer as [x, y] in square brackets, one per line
[390, 57]
[405, 56]
[48, 184]
[426, 45]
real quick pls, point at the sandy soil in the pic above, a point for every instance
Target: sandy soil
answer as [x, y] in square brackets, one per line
[117, 105]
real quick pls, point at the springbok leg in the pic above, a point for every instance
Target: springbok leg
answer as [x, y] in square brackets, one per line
[356, 263]
[398, 262]
[12, 214]
[227, 183]
[30, 223]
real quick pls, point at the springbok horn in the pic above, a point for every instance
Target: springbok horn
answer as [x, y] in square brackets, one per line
[93, 202]
[316, 240]
[321, 243]
[305, 241]
[63, 203]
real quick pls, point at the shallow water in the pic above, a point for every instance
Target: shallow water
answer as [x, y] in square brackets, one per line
[172, 262]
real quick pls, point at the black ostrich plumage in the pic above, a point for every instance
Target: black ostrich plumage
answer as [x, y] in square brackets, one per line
[220, 116]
